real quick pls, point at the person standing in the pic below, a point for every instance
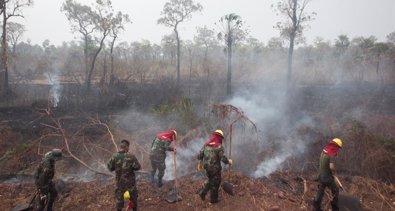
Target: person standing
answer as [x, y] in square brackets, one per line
[44, 174]
[124, 164]
[161, 144]
[327, 173]
[211, 156]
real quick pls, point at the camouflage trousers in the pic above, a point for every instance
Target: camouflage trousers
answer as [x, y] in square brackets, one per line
[120, 190]
[159, 165]
[213, 183]
[320, 194]
[46, 191]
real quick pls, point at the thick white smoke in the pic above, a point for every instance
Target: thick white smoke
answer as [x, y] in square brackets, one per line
[186, 157]
[266, 110]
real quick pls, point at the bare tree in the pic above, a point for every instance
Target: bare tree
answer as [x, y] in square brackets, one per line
[379, 49]
[81, 21]
[231, 32]
[119, 21]
[14, 32]
[205, 38]
[9, 9]
[296, 19]
[174, 12]
[95, 25]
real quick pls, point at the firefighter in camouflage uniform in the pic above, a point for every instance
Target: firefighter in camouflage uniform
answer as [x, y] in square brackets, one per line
[43, 179]
[160, 145]
[210, 157]
[124, 164]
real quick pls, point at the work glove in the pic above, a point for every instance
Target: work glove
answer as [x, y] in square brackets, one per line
[199, 166]
[230, 162]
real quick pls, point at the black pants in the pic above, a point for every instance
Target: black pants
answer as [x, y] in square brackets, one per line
[47, 194]
[213, 183]
[320, 194]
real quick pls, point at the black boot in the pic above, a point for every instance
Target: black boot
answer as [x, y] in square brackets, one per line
[316, 206]
[202, 193]
[214, 198]
[160, 184]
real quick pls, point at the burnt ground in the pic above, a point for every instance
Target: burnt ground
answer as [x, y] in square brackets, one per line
[283, 190]
[22, 127]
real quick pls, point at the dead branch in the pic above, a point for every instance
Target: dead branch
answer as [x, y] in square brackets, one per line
[98, 122]
[75, 157]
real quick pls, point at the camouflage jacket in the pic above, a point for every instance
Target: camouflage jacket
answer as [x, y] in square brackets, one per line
[124, 164]
[159, 148]
[44, 173]
[212, 156]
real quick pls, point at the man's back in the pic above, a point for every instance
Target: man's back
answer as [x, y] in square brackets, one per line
[44, 172]
[324, 171]
[124, 164]
[159, 148]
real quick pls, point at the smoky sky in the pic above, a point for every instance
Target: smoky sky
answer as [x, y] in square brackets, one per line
[44, 20]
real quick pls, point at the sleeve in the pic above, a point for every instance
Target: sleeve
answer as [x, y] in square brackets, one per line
[37, 174]
[111, 164]
[201, 154]
[169, 147]
[136, 165]
[332, 160]
[222, 156]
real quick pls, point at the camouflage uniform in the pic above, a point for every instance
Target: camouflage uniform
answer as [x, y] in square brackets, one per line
[43, 180]
[158, 157]
[124, 164]
[212, 157]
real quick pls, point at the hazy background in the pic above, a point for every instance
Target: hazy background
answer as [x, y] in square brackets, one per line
[350, 17]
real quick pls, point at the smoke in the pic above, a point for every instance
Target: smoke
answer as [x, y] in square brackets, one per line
[260, 154]
[55, 87]
[288, 148]
[186, 159]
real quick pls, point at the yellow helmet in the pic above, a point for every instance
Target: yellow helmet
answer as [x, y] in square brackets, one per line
[338, 141]
[126, 195]
[220, 132]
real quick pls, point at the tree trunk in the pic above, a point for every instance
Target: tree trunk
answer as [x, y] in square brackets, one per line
[190, 71]
[229, 78]
[290, 58]
[178, 56]
[4, 71]
[104, 76]
[86, 56]
[112, 61]
[206, 65]
[88, 80]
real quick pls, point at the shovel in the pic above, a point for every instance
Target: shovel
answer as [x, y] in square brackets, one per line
[347, 201]
[226, 185]
[172, 196]
[339, 183]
